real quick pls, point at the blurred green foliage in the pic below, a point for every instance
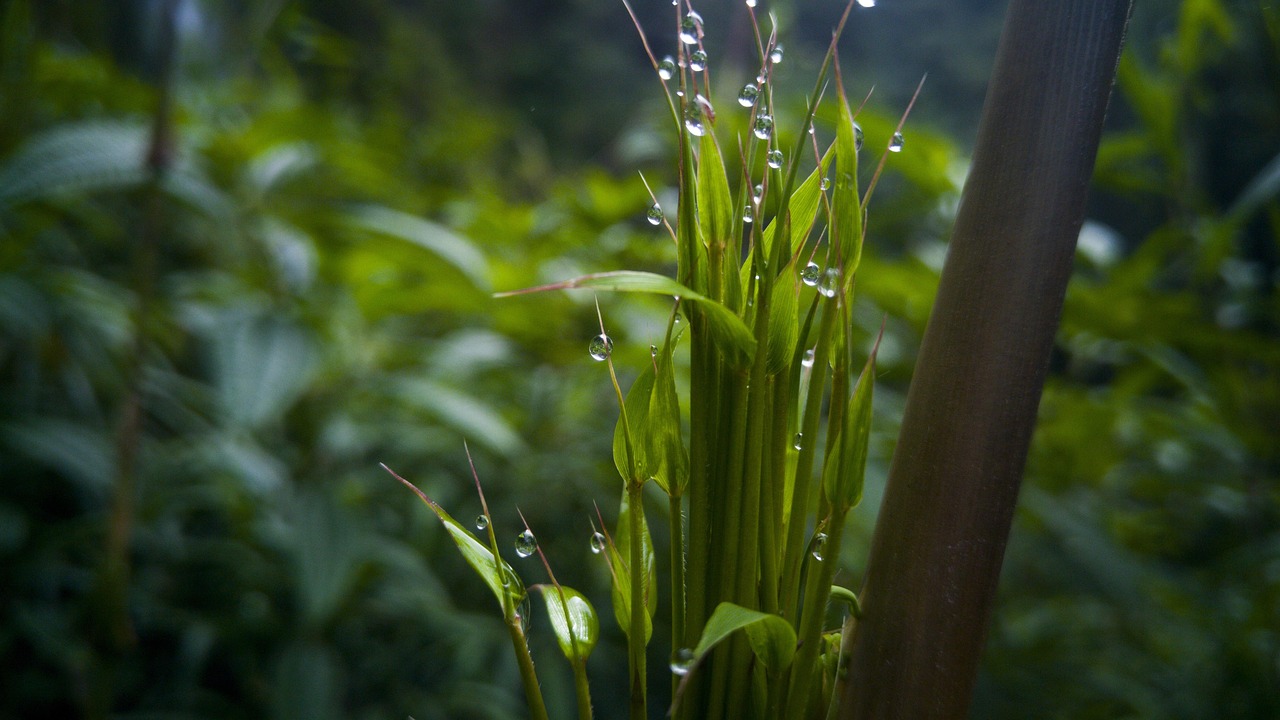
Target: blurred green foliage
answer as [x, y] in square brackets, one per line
[304, 291]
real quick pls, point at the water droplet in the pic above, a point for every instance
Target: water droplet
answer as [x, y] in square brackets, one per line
[829, 282]
[867, 3]
[653, 351]
[775, 159]
[598, 542]
[654, 214]
[812, 130]
[775, 56]
[760, 79]
[752, 3]
[682, 662]
[667, 68]
[816, 547]
[526, 543]
[757, 192]
[810, 274]
[691, 28]
[601, 347]
[857, 137]
[799, 441]
[748, 214]
[482, 522]
[747, 97]
[693, 122]
[895, 145]
[677, 321]
[763, 127]
[698, 61]
[679, 93]
[808, 358]
[825, 184]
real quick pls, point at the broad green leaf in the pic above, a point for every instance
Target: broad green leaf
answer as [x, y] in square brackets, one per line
[573, 619]
[784, 330]
[733, 337]
[432, 237]
[772, 639]
[846, 205]
[645, 457]
[500, 578]
[454, 408]
[619, 552]
[715, 204]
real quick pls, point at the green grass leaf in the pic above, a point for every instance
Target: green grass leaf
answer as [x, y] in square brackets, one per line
[843, 480]
[432, 237]
[500, 577]
[784, 330]
[846, 204]
[644, 464]
[618, 554]
[715, 203]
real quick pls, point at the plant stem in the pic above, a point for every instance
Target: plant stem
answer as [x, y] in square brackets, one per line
[582, 689]
[678, 639]
[532, 693]
[636, 640]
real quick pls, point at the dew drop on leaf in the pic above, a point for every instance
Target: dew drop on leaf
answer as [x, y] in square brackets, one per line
[857, 137]
[601, 347]
[799, 441]
[698, 61]
[526, 543]
[654, 214]
[775, 55]
[775, 159]
[597, 542]
[810, 274]
[690, 28]
[667, 68]
[808, 358]
[829, 282]
[682, 662]
[482, 522]
[763, 127]
[895, 145]
[747, 97]
[816, 547]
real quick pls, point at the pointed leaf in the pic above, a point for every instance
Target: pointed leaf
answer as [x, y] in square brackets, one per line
[664, 422]
[772, 639]
[805, 202]
[784, 329]
[644, 463]
[732, 335]
[843, 479]
[573, 619]
[477, 555]
[715, 204]
[618, 554]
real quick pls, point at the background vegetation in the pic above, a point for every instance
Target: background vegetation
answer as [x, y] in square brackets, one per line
[201, 368]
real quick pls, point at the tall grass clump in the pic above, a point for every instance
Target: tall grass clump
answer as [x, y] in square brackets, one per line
[779, 413]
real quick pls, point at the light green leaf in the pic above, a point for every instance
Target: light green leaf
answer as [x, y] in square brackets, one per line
[500, 578]
[772, 639]
[664, 423]
[573, 619]
[843, 478]
[732, 335]
[715, 204]
[644, 463]
[784, 329]
[432, 237]
[618, 554]
[805, 202]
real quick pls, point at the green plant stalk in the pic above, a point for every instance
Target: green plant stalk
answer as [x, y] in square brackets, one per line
[817, 590]
[677, 581]
[582, 690]
[795, 544]
[635, 640]
[529, 678]
[770, 517]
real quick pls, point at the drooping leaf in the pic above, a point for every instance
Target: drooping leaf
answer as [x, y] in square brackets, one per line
[432, 237]
[500, 577]
[772, 638]
[573, 619]
[732, 335]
